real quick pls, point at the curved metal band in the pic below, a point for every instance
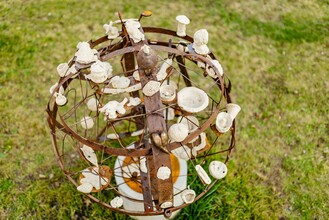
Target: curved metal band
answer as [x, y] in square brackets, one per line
[143, 152]
[53, 123]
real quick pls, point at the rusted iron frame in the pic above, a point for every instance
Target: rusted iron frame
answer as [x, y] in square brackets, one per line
[67, 173]
[147, 185]
[52, 125]
[167, 211]
[60, 127]
[171, 146]
[52, 122]
[113, 151]
[122, 211]
[162, 190]
[146, 30]
[172, 50]
[108, 150]
[125, 134]
[52, 114]
[166, 32]
[156, 126]
[146, 177]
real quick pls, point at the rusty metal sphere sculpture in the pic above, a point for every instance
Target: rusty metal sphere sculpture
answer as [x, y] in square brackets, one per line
[138, 124]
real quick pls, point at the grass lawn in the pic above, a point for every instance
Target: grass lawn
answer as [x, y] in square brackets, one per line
[276, 54]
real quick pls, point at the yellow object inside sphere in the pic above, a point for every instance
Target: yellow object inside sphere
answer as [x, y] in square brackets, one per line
[134, 182]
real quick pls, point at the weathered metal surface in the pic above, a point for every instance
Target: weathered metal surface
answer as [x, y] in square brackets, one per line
[156, 125]
[155, 190]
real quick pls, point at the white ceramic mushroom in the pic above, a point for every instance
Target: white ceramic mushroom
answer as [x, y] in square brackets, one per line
[178, 132]
[180, 47]
[134, 101]
[223, 122]
[134, 33]
[120, 108]
[166, 205]
[182, 21]
[167, 93]
[92, 177]
[73, 68]
[60, 99]
[74, 71]
[112, 32]
[62, 69]
[190, 121]
[132, 88]
[85, 188]
[173, 83]
[53, 87]
[120, 82]
[113, 136]
[183, 152]
[211, 71]
[217, 169]
[117, 202]
[85, 55]
[233, 110]
[151, 88]
[99, 72]
[192, 99]
[124, 20]
[200, 37]
[146, 49]
[170, 115]
[188, 196]
[203, 144]
[162, 73]
[89, 154]
[92, 104]
[200, 40]
[137, 133]
[111, 108]
[163, 173]
[142, 164]
[201, 64]
[87, 122]
[136, 74]
[202, 174]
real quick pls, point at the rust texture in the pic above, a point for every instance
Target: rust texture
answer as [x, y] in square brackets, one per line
[153, 144]
[156, 125]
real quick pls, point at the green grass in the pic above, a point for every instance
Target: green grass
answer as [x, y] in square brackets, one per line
[274, 52]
